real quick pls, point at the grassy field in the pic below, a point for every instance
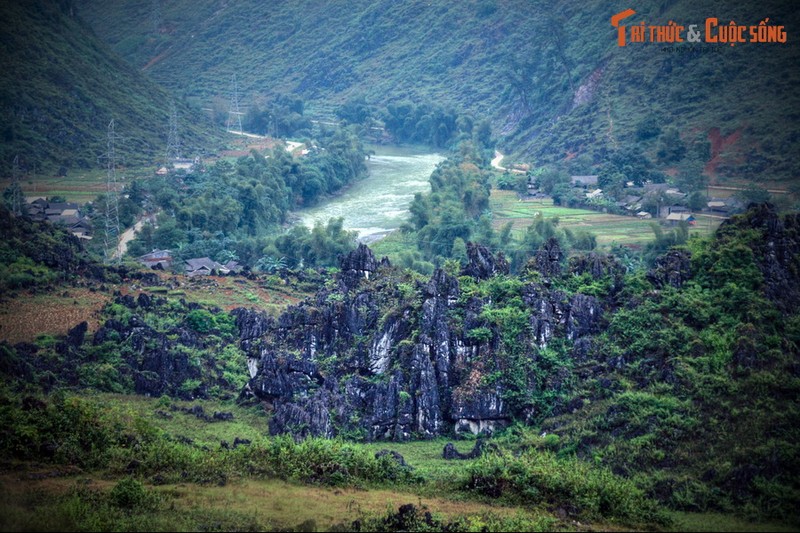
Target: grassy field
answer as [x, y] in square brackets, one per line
[50, 498]
[32, 504]
[46, 497]
[609, 229]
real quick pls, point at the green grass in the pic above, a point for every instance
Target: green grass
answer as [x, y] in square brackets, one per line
[609, 229]
[232, 292]
[721, 522]
[248, 422]
[426, 458]
[393, 245]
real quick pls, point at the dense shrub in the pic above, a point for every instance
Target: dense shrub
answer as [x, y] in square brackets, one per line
[569, 483]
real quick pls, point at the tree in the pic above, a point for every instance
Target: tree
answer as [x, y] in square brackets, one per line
[690, 176]
[671, 148]
[459, 251]
[697, 201]
[483, 135]
[550, 178]
[648, 128]
[753, 194]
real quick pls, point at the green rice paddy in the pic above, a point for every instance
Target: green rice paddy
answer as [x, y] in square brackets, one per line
[609, 229]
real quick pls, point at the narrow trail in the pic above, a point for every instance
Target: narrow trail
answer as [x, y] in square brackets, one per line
[496, 161]
[291, 146]
[496, 164]
[126, 237]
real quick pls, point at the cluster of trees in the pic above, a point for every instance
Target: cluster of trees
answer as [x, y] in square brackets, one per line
[423, 123]
[229, 210]
[283, 117]
[457, 211]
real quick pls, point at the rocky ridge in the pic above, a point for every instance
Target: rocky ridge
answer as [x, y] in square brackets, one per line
[365, 361]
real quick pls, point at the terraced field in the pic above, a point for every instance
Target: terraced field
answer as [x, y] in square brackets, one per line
[609, 229]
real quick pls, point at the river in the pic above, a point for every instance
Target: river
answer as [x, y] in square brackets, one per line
[379, 203]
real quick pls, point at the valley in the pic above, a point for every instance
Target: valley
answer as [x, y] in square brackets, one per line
[398, 266]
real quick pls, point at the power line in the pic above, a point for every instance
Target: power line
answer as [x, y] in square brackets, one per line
[112, 202]
[234, 113]
[173, 139]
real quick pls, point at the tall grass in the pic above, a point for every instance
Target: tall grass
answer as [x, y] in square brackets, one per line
[576, 487]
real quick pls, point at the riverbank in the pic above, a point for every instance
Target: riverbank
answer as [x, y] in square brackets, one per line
[378, 204]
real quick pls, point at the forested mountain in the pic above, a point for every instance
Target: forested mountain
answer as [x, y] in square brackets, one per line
[60, 88]
[549, 75]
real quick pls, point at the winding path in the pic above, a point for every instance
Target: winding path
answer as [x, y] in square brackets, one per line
[496, 161]
[496, 164]
[126, 237]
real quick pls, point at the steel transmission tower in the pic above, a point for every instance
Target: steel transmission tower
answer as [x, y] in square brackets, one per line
[234, 113]
[112, 202]
[173, 140]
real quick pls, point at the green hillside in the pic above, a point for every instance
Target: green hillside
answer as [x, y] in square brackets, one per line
[549, 75]
[60, 88]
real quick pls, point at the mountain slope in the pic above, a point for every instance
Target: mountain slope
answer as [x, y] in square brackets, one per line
[549, 75]
[61, 87]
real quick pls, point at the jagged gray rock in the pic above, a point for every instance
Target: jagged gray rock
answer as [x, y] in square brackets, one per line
[481, 264]
[547, 259]
[357, 265]
[410, 372]
[673, 269]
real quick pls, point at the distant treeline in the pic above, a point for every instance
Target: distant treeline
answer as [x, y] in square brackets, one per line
[419, 123]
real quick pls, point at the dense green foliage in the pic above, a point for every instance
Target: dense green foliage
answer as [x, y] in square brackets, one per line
[73, 430]
[36, 253]
[536, 476]
[61, 86]
[195, 349]
[690, 390]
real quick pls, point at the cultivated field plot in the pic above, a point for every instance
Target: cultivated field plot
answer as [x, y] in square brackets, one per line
[609, 229]
[76, 187]
[229, 292]
[27, 316]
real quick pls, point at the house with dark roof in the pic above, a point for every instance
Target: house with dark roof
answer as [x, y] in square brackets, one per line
[204, 266]
[82, 229]
[157, 259]
[66, 214]
[37, 208]
[234, 267]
